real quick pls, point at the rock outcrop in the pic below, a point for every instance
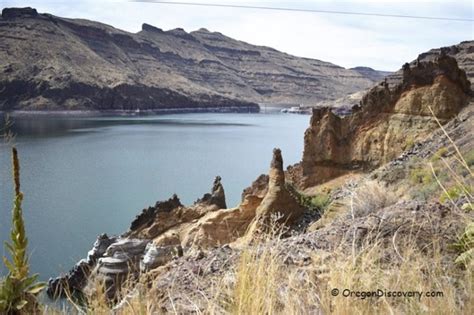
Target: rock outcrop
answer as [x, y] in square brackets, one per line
[76, 279]
[391, 117]
[165, 222]
[53, 63]
[267, 197]
[278, 201]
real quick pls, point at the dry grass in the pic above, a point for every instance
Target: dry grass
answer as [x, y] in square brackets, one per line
[368, 197]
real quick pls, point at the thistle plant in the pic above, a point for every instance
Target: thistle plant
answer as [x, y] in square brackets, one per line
[18, 290]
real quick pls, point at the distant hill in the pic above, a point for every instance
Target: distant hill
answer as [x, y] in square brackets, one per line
[374, 75]
[48, 62]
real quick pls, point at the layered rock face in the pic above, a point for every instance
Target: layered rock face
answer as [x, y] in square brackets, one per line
[48, 62]
[391, 117]
[462, 52]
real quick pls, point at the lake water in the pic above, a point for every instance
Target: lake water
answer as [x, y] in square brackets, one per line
[86, 176]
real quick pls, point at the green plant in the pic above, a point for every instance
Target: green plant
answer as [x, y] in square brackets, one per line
[454, 193]
[465, 245]
[469, 157]
[442, 152]
[421, 176]
[320, 202]
[410, 143]
[316, 203]
[18, 290]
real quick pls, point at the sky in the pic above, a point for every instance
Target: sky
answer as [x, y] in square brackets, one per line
[383, 43]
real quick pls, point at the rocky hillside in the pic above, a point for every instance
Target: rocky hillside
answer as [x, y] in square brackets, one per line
[390, 118]
[48, 62]
[378, 192]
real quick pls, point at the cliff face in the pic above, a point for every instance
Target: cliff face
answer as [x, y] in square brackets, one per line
[391, 117]
[48, 62]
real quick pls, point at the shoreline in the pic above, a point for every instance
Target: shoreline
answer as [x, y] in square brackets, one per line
[126, 113]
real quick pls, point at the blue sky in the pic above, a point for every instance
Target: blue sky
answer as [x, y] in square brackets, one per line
[381, 43]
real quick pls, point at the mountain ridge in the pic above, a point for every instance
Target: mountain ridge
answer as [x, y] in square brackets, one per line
[49, 62]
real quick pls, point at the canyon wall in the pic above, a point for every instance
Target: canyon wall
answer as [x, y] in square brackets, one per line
[390, 118]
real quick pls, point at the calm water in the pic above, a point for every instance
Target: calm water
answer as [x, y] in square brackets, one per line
[82, 177]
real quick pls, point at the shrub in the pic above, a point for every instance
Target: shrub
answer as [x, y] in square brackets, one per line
[443, 152]
[369, 197]
[454, 193]
[465, 245]
[469, 157]
[409, 143]
[316, 203]
[421, 176]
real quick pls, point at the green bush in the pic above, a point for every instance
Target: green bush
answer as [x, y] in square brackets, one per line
[18, 290]
[316, 203]
[454, 193]
[469, 157]
[410, 143]
[443, 152]
[320, 202]
[421, 176]
[465, 245]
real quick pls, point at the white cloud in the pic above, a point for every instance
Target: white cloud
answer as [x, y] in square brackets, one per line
[381, 43]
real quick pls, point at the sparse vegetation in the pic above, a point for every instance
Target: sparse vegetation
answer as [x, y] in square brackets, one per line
[454, 193]
[317, 202]
[370, 196]
[410, 143]
[441, 153]
[465, 246]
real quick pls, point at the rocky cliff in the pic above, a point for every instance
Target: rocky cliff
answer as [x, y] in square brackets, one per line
[462, 52]
[48, 62]
[391, 117]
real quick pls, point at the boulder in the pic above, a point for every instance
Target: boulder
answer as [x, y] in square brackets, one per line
[156, 256]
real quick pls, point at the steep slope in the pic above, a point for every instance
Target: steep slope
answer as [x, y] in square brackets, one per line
[391, 118]
[48, 62]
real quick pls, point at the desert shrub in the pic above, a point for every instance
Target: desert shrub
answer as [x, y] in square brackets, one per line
[369, 197]
[425, 192]
[465, 245]
[421, 175]
[454, 192]
[410, 143]
[442, 152]
[318, 202]
[469, 157]
[18, 290]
